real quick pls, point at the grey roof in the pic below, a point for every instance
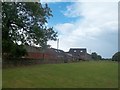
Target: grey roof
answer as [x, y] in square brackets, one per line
[39, 50]
[32, 48]
[77, 48]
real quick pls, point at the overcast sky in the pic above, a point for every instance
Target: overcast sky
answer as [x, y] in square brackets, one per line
[91, 25]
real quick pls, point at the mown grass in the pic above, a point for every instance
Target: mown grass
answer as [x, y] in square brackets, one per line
[92, 74]
[0, 78]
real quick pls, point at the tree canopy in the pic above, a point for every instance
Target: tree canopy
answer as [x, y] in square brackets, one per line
[95, 56]
[116, 56]
[24, 23]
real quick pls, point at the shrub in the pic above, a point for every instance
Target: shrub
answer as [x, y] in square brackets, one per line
[116, 57]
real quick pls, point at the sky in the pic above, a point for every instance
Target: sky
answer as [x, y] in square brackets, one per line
[90, 25]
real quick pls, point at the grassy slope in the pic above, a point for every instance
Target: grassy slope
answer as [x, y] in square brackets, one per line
[82, 75]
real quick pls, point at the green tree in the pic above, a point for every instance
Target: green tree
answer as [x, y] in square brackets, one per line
[99, 57]
[25, 22]
[95, 56]
[116, 56]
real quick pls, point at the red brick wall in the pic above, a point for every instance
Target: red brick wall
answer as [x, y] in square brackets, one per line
[40, 55]
[34, 55]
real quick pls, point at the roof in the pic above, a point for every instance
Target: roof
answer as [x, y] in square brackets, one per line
[32, 48]
[77, 48]
[39, 50]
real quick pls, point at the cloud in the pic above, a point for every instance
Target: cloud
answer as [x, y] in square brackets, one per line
[72, 11]
[64, 28]
[97, 31]
[54, 1]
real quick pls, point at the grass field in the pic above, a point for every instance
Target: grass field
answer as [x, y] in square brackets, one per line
[92, 74]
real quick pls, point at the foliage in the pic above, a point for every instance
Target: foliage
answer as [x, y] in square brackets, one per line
[116, 56]
[15, 50]
[95, 56]
[25, 23]
[99, 57]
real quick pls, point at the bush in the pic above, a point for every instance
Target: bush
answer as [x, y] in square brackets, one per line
[116, 57]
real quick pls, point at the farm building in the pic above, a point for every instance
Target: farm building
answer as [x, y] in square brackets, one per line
[36, 55]
[50, 54]
[79, 54]
[56, 55]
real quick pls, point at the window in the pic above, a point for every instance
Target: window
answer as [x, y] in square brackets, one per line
[74, 50]
[81, 51]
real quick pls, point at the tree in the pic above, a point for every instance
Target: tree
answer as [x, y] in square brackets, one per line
[99, 57]
[25, 23]
[95, 56]
[116, 56]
